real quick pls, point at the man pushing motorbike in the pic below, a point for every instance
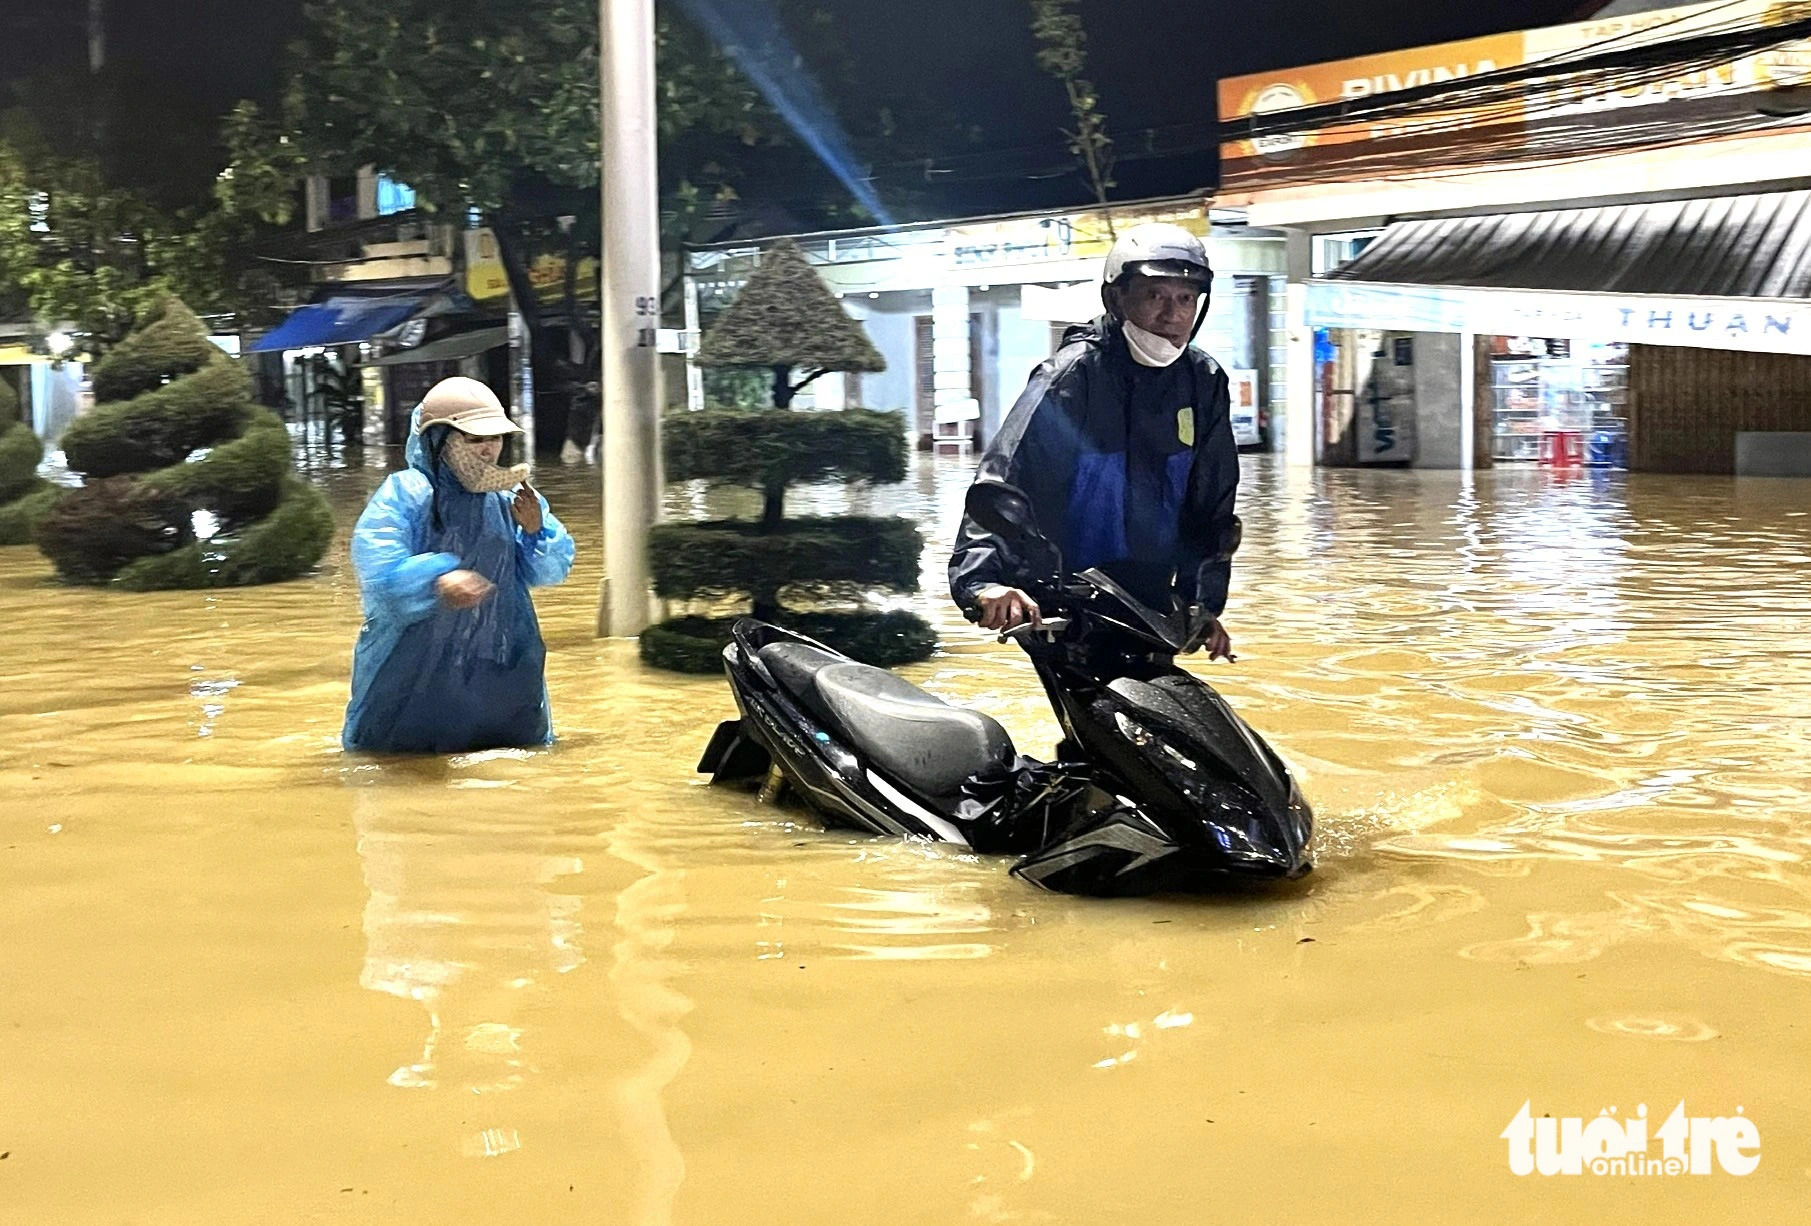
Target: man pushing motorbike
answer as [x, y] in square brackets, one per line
[1123, 443]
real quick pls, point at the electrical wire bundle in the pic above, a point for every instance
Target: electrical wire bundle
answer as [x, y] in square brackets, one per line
[1548, 111]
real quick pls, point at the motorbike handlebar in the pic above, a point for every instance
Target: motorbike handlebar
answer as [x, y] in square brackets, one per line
[1064, 595]
[1051, 627]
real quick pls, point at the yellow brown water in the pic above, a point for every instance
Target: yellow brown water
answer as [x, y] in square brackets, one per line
[1555, 732]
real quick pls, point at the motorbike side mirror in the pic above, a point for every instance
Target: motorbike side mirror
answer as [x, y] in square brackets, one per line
[1005, 511]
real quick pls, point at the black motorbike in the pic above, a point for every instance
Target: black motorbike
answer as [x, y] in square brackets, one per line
[1158, 787]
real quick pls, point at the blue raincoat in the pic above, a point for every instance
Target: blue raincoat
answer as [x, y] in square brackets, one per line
[1129, 468]
[427, 678]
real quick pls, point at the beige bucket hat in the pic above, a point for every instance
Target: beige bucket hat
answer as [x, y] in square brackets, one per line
[466, 405]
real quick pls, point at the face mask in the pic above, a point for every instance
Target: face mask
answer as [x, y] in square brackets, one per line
[1149, 349]
[476, 473]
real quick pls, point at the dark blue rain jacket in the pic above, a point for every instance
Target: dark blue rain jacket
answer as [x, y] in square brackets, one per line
[1129, 468]
[427, 678]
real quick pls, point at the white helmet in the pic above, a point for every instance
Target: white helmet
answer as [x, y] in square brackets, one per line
[1159, 250]
[466, 405]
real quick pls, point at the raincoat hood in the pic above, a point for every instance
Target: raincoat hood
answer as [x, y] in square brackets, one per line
[416, 452]
[424, 448]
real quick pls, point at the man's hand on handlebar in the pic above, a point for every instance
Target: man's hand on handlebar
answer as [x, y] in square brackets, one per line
[1206, 633]
[1006, 608]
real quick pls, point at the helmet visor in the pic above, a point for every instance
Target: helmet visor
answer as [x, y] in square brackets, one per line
[1201, 278]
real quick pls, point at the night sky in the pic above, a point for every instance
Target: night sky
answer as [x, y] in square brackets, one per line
[177, 67]
[1154, 61]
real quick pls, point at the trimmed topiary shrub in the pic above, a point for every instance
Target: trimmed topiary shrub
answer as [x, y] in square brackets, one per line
[695, 644]
[20, 449]
[24, 496]
[765, 450]
[175, 431]
[824, 558]
[99, 529]
[19, 520]
[787, 320]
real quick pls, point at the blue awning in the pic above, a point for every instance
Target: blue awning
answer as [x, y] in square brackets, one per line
[339, 321]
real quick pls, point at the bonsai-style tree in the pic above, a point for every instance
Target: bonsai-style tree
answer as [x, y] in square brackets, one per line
[24, 496]
[174, 432]
[787, 321]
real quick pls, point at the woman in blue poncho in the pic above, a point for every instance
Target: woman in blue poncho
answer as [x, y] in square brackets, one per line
[450, 659]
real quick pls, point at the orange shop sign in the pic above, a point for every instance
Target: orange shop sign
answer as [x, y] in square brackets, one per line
[1362, 77]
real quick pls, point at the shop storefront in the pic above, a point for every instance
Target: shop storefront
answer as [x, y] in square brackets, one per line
[1461, 297]
[401, 300]
[1558, 401]
[1539, 400]
[397, 381]
[353, 366]
[309, 365]
[1567, 376]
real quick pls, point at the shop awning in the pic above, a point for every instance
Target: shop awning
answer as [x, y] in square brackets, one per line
[1755, 246]
[447, 348]
[1727, 273]
[339, 321]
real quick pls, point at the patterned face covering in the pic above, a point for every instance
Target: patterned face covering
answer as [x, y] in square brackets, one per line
[476, 473]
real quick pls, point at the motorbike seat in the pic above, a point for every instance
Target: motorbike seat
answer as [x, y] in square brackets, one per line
[917, 738]
[796, 666]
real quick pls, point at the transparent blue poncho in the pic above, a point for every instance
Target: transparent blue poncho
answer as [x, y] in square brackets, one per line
[427, 678]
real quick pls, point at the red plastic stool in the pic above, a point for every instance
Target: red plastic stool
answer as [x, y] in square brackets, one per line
[1562, 449]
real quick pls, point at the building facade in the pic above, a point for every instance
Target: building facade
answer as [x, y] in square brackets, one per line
[964, 311]
[1583, 244]
[397, 300]
[50, 392]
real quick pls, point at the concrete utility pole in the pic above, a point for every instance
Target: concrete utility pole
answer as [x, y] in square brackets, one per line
[630, 382]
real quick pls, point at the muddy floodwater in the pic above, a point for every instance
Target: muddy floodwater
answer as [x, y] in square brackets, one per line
[1555, 732]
